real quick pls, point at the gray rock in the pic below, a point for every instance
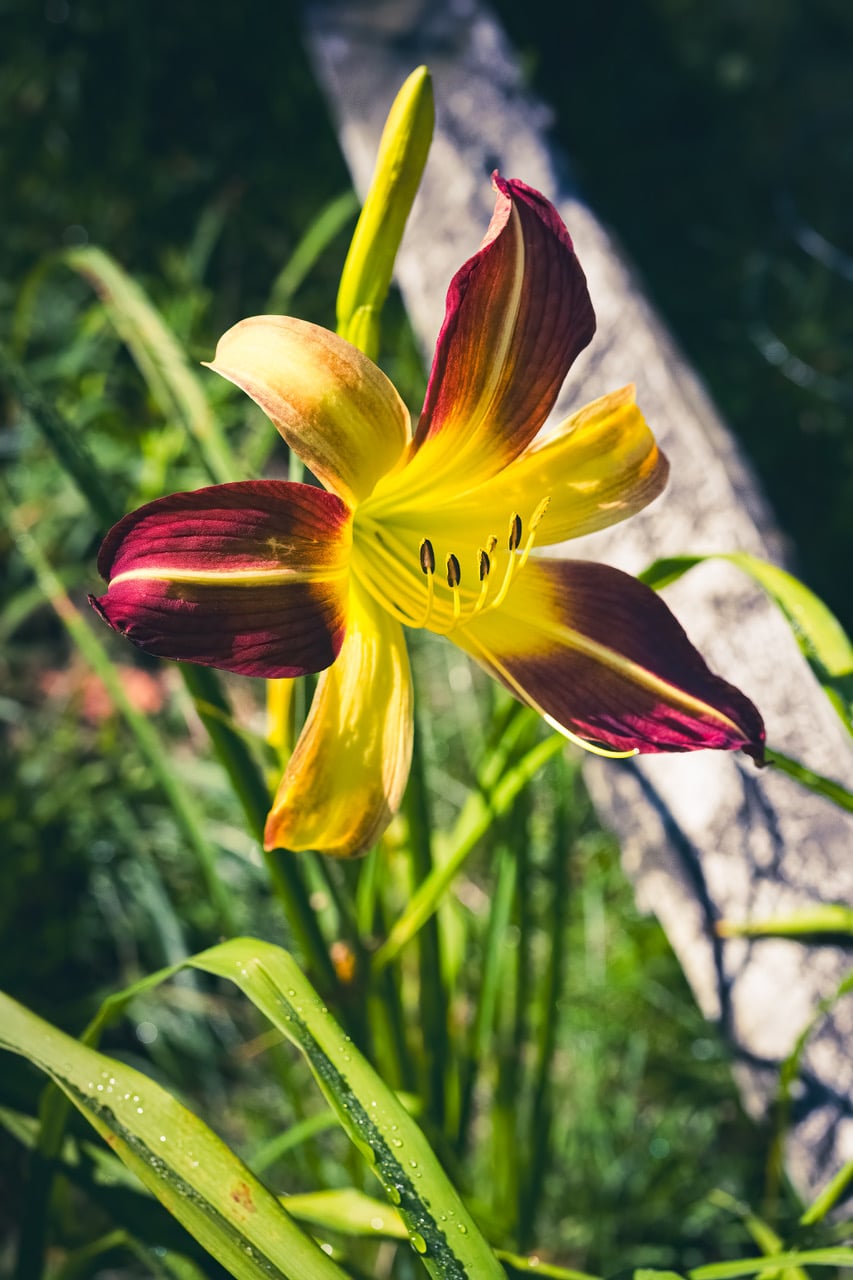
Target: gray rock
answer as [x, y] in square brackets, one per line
[704, 836]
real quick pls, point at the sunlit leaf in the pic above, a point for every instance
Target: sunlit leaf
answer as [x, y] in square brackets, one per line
[821, 638]
[187, 1167]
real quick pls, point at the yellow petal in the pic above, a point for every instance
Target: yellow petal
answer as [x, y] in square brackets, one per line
[331, 404]
[346, 778]
[600, 466]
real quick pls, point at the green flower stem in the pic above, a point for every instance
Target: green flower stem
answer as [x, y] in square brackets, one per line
[508, 1131]
[484, 1018]
[478, 814]
[555, 928]
[433, 991]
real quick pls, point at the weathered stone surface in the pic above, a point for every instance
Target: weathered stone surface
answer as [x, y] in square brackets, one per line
[705, 836]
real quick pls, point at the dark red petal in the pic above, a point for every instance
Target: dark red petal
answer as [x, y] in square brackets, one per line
[250, 577]
[518, 314]
[601, 655]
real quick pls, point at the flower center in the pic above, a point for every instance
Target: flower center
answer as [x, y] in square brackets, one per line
[400, 569]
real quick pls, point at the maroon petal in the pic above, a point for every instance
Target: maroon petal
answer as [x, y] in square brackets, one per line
[247, 577]
[518, 313]
[601, 655]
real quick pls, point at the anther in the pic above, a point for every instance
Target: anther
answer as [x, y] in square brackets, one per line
[514, 531]
[485, 564]
[454, 576]
[535, 521]
[491, 543]
[427, 557]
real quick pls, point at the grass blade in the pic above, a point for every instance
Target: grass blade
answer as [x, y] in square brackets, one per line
[329, 223]
[440, 1227]
[837, 1257]
[822, 640]
[157, 354]
[186, 1166]
[187, 818]
[816, 782]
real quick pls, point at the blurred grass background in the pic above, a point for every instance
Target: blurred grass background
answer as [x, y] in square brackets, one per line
[192, 145]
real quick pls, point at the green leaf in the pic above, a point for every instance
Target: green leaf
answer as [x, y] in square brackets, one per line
[839, 1257]
[329, 222]
[348, 1211]
[829, 1196]
[816, 782]
[157, 353]
[648, 1273]
[831, 917]
[187, 1167]
[533, 1265]
[821, 638]
[439, 1226]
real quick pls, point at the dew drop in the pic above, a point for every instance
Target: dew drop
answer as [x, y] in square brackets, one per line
[377, 1223]
[461, 1228]
[393, 1195]
[418, 1242]
[413, 1164]
[396, 1142]
[139, 1111]
[533, 1260]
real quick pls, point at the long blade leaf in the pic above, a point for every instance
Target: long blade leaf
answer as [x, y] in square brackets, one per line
[187, 1167]
[440, 1227]
[821, 638]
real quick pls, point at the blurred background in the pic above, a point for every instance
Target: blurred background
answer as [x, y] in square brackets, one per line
[191, 143]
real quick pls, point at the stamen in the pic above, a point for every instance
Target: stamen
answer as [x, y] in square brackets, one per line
[428, 566]
[454, 577]
[491, 543]
[485, 564]
[427, 557]
[514, 531]
[535, 521]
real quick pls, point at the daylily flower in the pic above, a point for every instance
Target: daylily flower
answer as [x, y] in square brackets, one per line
[432, 529]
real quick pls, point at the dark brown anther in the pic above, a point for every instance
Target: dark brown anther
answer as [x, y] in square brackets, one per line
[454, 575]
[485, 563]
[427, 557]
[514, 531]
[491, 543]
